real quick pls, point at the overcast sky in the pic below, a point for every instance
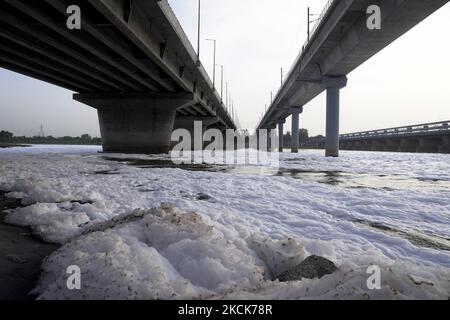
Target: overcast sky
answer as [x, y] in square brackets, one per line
[406, 83]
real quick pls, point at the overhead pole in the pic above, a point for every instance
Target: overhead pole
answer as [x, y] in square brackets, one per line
[282, 76]
[226, 97]
[198, 32]
[214, 62]
[221, 81]
[309, 22]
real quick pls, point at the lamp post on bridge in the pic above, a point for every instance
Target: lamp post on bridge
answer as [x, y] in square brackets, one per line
[283, 74]
[214, 62]
[221, 80]
[311, 21]
[198, 33]
[226, 97]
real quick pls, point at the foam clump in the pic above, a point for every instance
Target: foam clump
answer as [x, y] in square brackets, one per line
[165, 255]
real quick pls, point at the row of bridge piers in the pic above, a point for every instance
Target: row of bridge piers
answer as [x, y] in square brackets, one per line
[332, 85]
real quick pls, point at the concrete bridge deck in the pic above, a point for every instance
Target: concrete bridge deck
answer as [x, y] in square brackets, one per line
[131, 60]
[340, 42]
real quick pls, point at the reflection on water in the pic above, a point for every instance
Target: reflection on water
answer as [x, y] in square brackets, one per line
[385, 182]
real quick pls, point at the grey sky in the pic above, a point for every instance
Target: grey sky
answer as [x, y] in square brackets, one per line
[406, 83]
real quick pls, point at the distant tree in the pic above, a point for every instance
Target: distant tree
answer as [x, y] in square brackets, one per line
[6, 135]
[304, 135]
[319, 137]
[86, 137]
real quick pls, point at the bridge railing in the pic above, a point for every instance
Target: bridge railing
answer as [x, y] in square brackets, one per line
[429, 128]
[319, 21]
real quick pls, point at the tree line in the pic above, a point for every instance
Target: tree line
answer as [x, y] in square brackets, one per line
[85, 139]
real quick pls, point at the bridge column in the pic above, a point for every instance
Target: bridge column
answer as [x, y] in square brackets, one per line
[281, 135]
[392, 145]
[136, 123]
[408, 145]
[269, 139]
[333, 86]
[445, 145]
[428, 145]
[295, 128]
[378, 145]
[188, 123]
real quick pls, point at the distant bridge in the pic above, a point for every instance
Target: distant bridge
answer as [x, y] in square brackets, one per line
[340, 42]
[425, 138]
[131, 60]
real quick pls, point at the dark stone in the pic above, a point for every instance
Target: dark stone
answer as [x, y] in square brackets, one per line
[313, 267]
[203, 197]
[8, 203]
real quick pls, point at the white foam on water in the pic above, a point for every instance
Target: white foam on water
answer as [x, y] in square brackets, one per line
[250, 228]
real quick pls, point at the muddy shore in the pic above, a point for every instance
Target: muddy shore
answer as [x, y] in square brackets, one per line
[21, 256]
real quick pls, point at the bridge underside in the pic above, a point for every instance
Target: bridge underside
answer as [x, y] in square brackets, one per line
[341, 43]
[130, 60]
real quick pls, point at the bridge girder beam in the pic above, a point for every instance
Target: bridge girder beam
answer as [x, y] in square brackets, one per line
[111, 40]
[87, 44]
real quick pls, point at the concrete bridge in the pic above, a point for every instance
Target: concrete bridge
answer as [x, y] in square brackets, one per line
[339, 43]
[422, 138]
[429, 137]
[130, 60]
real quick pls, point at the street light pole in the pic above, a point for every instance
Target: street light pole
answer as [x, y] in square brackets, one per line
[308, 23]
[311, 21]
[281, 76]
[221, 81]
[198, 34]
[226, 104]
[214, 63]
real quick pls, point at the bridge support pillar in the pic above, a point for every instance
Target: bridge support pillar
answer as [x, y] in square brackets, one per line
[408, 145]
[392, 145]
[378, 145]
[270, 139]
[136, 123]
[445, 145]
[281, 135]
[333, 85]
[188, 123]
[429, 145]
[295, 128]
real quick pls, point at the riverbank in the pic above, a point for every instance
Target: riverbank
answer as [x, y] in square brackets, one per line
[4, 145]
[21, 255]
